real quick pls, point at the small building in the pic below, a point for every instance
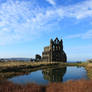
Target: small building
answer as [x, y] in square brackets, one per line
[54, 52]
[37, 57]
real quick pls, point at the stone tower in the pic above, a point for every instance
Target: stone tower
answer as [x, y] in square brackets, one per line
[54, 52]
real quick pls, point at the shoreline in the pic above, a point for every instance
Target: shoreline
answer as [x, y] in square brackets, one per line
[11, 69]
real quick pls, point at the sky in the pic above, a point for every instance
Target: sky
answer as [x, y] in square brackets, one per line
[26, 26]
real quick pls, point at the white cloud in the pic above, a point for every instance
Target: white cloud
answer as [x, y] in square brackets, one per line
[52, 2]
[86, 35]
[22, 20]
[18, 19]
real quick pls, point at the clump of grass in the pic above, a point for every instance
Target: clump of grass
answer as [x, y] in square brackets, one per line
[71, 86]
[10, 87]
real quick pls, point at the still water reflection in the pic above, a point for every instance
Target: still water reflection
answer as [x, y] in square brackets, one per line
[54, 75]
[46, 76]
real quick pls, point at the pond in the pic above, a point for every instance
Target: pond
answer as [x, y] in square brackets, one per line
[46, 76]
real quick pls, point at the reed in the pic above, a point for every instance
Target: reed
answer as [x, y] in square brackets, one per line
[70, 86]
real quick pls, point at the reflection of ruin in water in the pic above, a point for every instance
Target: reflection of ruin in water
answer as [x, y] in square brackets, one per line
[54, 75]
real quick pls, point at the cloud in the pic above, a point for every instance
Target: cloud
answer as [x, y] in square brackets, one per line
[79, 11]
[26, 20]
[52, 2]
[17, 17]
[86, 35]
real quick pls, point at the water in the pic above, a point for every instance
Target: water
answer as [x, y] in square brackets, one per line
[46, 76]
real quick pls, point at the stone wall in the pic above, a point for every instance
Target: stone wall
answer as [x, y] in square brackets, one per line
[54, 52]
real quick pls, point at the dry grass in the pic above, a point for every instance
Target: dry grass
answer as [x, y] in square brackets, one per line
[10, 87]
[36, 64]
[89, 70]
[19, 66]
[19, 63]
[70, 86]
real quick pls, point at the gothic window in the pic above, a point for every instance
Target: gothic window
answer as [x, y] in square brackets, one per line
[53, 47]
[57, 41]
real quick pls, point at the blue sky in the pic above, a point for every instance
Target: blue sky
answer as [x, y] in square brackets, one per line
[26, 26]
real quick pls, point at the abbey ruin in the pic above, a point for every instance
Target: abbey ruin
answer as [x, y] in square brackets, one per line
[54, 52]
